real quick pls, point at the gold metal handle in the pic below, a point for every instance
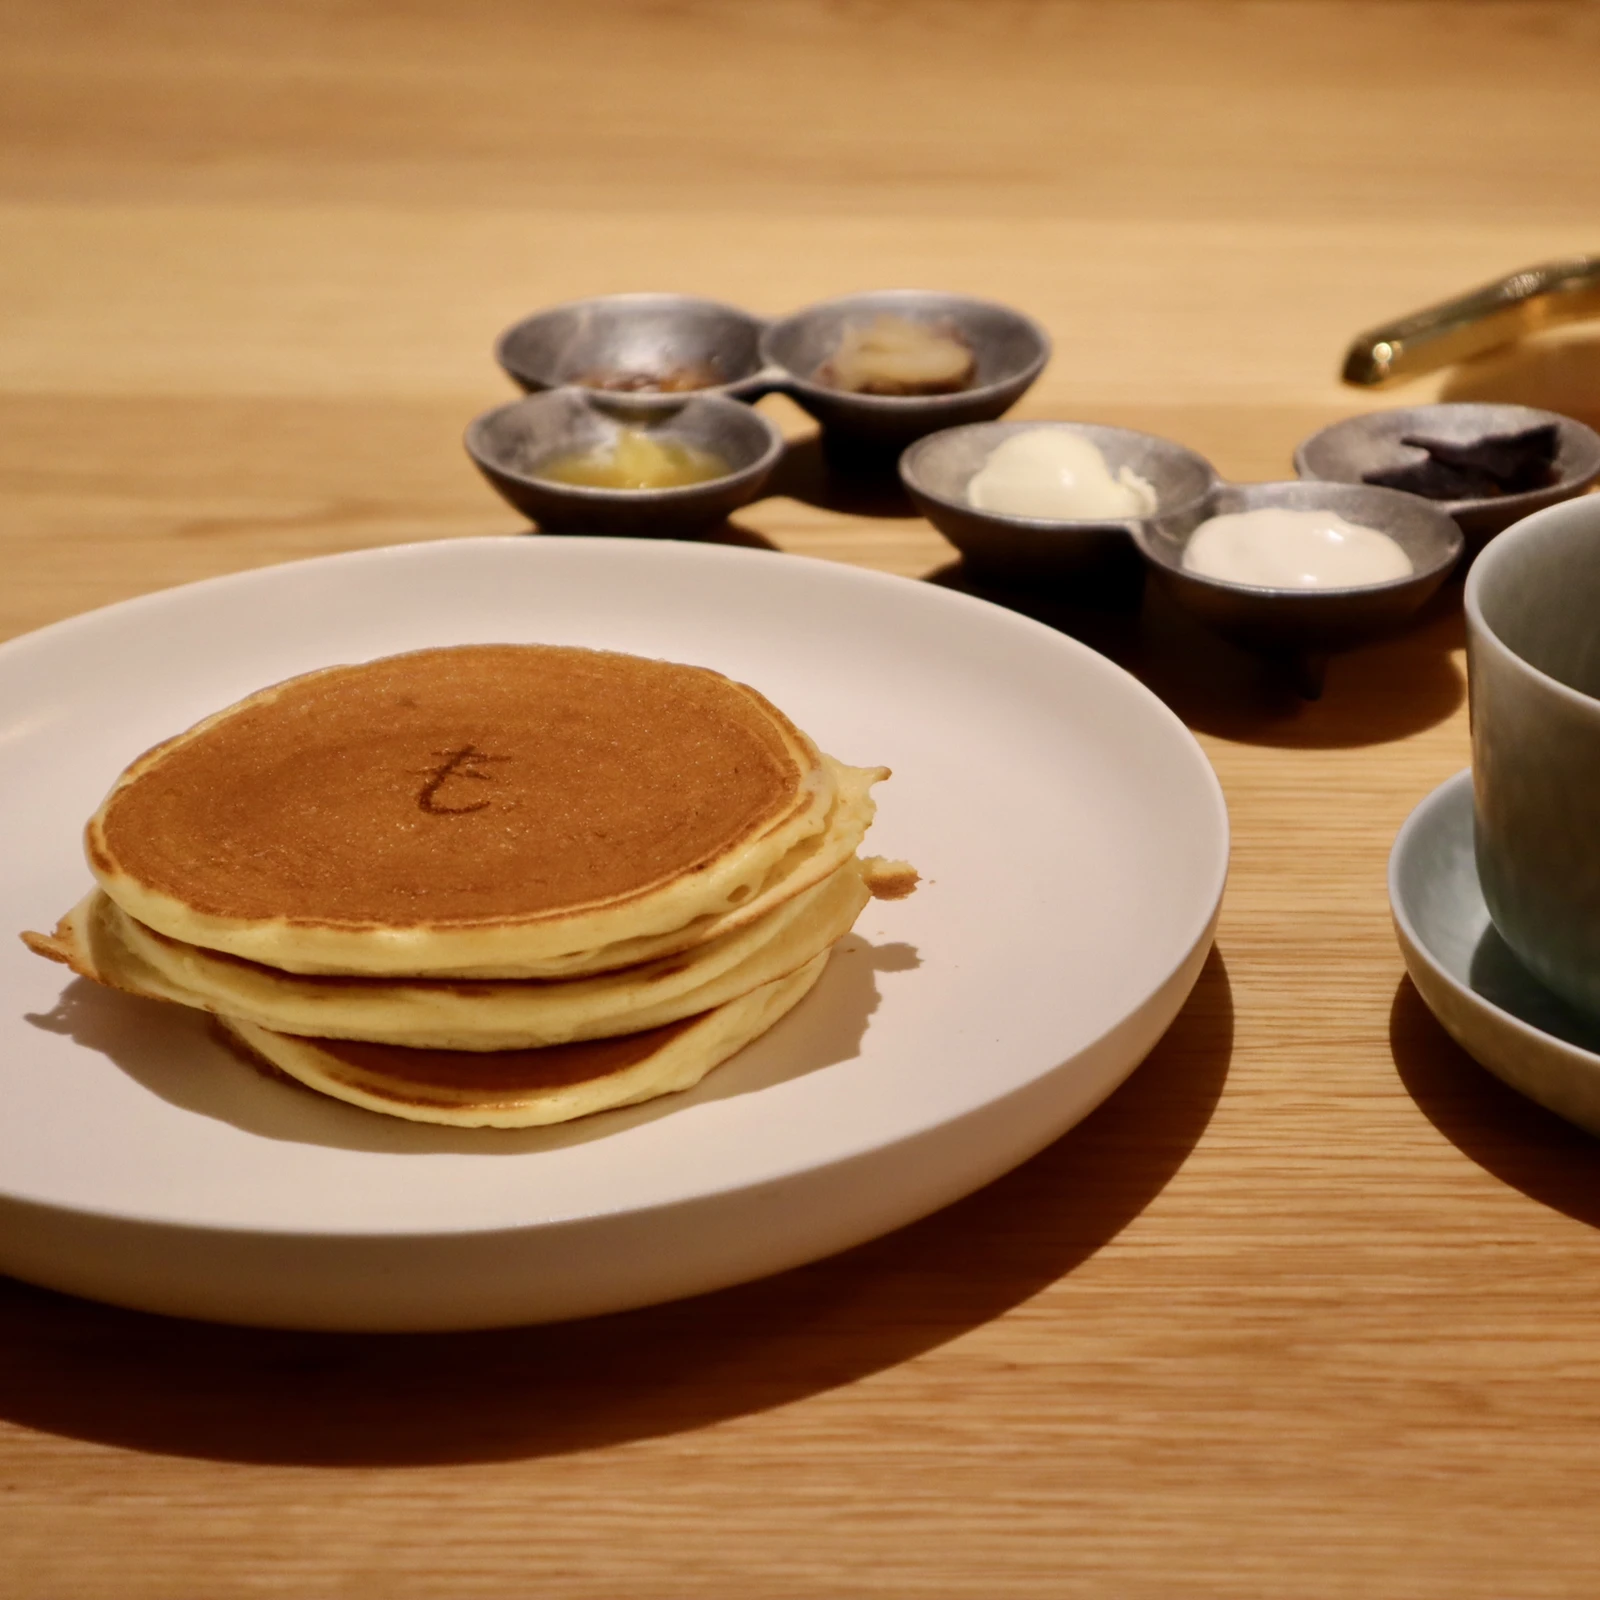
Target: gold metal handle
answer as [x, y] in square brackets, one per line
[1512, 307]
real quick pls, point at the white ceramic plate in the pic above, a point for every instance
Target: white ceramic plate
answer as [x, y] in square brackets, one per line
[1072, 838]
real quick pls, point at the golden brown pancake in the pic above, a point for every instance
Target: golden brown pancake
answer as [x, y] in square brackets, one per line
[98, 940]
[496, 885]
[816, 857]
[454, 810]
[529, 1088]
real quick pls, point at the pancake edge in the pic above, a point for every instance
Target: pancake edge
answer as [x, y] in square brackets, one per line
[685, 1061]
[481, 1016]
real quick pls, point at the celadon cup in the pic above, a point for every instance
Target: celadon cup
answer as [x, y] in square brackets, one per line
[1533, 662]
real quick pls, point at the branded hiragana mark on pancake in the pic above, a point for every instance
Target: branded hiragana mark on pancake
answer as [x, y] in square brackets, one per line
[463, 763]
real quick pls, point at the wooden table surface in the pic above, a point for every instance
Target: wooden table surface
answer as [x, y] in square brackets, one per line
[1310, 1307]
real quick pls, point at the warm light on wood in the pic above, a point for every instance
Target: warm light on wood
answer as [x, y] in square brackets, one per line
[1310, 1307]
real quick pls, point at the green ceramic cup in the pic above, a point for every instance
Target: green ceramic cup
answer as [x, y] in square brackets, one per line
[1533, 660]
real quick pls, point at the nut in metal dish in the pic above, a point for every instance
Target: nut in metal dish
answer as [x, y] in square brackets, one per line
[1008, 349]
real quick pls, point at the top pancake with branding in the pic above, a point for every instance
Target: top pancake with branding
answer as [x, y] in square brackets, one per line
[460, 809]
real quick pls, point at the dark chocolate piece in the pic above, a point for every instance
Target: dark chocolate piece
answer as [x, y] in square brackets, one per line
[1435, 480]
[1476, 469]
[1513, 460]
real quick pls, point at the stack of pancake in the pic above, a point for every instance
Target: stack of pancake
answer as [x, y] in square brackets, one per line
[493, 885]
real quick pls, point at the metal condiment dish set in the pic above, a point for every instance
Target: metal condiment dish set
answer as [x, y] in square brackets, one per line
[565, 355]
[559, 352]
[1188, 489]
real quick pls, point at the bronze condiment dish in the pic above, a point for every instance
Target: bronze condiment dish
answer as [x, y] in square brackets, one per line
[509, 442]
[1010, 350]
[635, 335]
[1342, 452]
[937, 469]
[1300, 622]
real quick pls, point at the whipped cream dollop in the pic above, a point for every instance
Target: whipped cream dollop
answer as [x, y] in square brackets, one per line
[1274, 547]
[1051, 473]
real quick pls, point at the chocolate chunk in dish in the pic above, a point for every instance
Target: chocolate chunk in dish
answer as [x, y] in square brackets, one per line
[1475, 469]
[1435, 480]
[1516, 461]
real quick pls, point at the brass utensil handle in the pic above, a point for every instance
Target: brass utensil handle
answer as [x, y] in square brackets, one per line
[1512, 307]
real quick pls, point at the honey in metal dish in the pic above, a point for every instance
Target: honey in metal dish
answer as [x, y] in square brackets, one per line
[635, 459]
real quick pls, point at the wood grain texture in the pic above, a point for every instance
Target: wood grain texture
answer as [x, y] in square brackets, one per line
[1308, 1307]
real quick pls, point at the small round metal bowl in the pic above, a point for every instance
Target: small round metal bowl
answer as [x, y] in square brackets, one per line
[622, 339]
[510, 442]
[1293, 622]
[936, 471]
[1344, 451]
[1010, 350]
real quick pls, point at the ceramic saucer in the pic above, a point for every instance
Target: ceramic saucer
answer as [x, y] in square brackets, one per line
[1486, 1000]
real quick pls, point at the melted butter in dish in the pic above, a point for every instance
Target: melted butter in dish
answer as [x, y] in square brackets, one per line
[1050, 473]
[1276, 548]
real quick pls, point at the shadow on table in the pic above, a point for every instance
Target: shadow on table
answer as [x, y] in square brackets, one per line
[158, 1384]
[836, 477]
[1509, 1136]
[1374, 694]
